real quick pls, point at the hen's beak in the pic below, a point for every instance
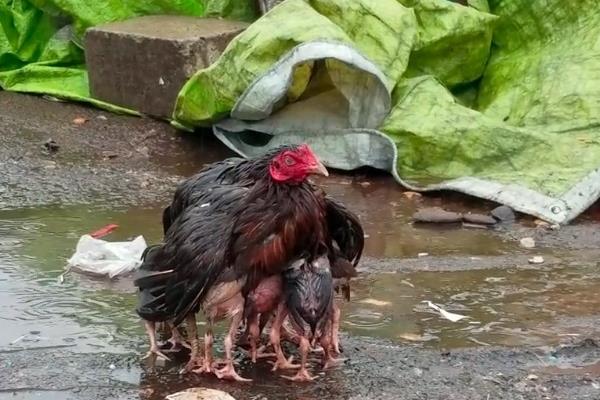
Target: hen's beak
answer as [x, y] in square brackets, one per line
[319, 169]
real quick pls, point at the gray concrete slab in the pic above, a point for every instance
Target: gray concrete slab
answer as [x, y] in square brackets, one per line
[142, 63]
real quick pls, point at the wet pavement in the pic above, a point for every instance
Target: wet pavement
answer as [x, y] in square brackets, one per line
[529, 332]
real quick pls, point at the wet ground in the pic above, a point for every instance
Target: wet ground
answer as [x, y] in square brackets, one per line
[530, 331]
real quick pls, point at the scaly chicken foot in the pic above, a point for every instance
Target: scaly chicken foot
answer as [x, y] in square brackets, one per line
[335, 329]
[303, 375]
[206, 364]
[195, 357]
[228, 371]
[154, 349]
[177, 341]
[275, 340]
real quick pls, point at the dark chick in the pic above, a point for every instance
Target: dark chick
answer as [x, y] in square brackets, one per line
[308, 293]
[227, 238]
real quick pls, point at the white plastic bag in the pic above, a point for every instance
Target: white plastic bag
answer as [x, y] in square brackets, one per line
[99, 257]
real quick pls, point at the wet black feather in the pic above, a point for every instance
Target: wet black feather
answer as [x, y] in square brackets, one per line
[308, 287]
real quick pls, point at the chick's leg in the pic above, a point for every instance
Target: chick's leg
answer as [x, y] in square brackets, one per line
[254, 331]
[275, 340]
[176, 340]
[303, 375]
[326, 340]
[154, 350]
[335, 329]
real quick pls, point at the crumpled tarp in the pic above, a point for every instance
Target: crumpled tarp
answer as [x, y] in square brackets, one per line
[499, 99]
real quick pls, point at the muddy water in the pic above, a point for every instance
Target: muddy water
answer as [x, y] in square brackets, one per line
[518, 306]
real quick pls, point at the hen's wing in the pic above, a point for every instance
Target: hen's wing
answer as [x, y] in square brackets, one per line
[175, 275]
[345, 230]
[191, 190]
[198, 246]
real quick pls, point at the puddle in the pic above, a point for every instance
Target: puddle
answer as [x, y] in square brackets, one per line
[531, 306]
[512, 307]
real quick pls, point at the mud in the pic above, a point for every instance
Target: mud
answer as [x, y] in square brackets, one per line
[530, 332]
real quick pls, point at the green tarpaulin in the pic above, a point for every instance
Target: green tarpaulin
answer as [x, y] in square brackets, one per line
[497, 99]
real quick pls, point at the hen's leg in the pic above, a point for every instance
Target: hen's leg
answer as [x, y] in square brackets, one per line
[192, 331]
[275, 340]
[154, 350]
[302, 375]
[228, 371]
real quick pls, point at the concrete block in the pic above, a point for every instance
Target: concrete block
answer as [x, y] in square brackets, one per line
[142, 63]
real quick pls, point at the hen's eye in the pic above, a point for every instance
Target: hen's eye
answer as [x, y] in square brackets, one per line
[289, 161]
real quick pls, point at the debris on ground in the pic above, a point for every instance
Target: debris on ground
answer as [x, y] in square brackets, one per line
[527, 242]
[474, 226]
[200, 393]
[104, 231]
[446, 314]
[80, 120]
[412, 195]
[536, 260]
[102, 258]
[51, 146]
[375, 302]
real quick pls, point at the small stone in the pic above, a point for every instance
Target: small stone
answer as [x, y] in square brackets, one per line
[412, 195]
[109, 155]
[112, 366]
[503, 214]
[536, 260]
[480, 219]
[145, 151]
[436, 214]
[200, 393]
[527, 243]
[418, 371]
[532, 377]
[102, 117]
[80, 121]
